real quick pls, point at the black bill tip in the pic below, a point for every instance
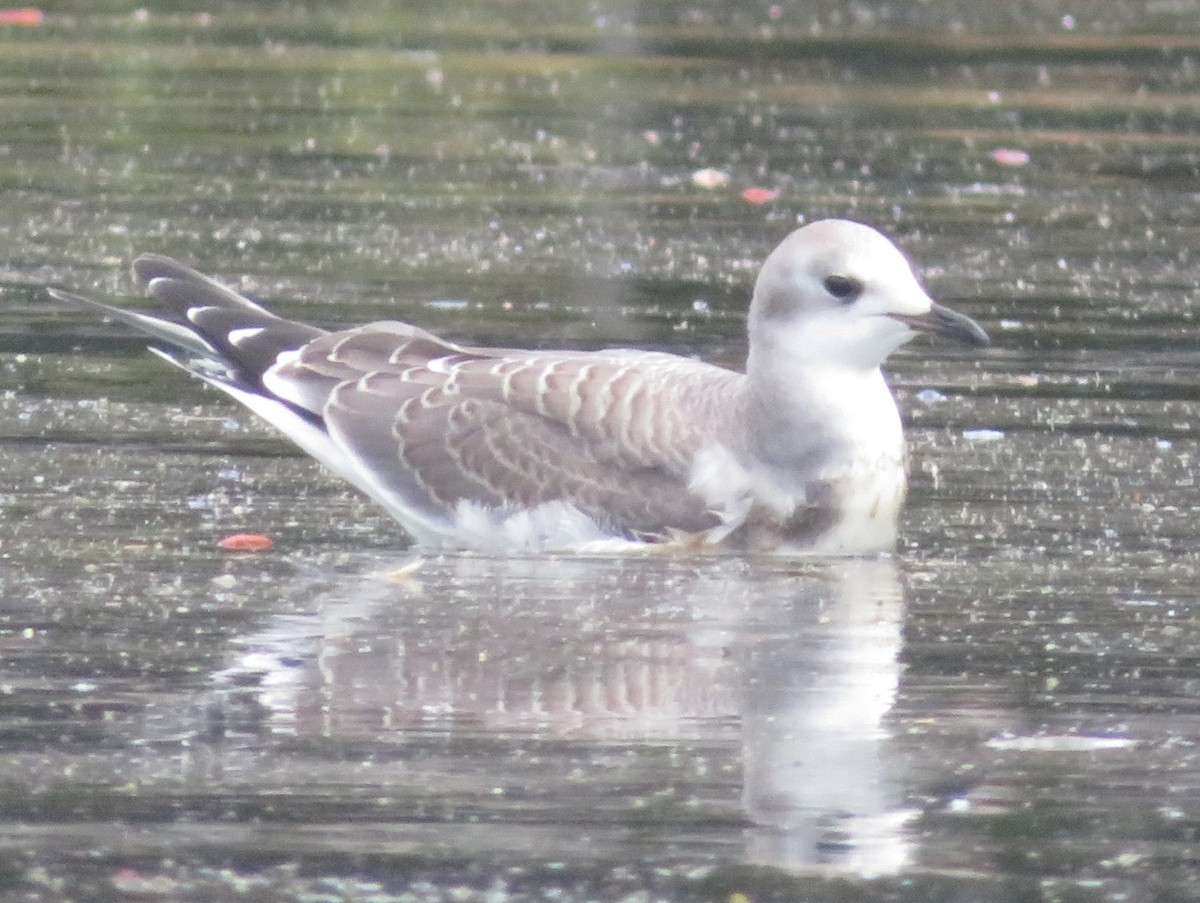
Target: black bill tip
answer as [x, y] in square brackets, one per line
[942, 321]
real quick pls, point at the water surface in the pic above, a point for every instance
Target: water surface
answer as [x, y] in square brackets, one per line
[1005, 710]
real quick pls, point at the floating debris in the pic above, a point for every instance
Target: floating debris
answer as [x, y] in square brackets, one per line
[1007, 156]
[21, 15]
[710, 179]
[759, 195]
[983, 435]
[246, 542]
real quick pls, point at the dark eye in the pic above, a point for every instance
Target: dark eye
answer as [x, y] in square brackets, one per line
[844, 288]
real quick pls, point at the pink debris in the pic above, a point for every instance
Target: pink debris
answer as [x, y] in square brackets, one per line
[759, 195]
[21, 15]
[1007, 156]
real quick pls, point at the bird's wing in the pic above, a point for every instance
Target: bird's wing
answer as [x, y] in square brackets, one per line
[436, 424]
[425, 425]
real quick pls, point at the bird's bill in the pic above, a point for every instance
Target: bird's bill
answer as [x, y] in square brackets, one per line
[943, 321]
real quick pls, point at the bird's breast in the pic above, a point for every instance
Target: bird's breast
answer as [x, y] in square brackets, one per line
[827, 476]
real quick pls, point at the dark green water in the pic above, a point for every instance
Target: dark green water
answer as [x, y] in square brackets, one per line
[1006, 711]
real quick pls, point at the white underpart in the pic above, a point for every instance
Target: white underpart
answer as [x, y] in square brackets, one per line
[553, 526]
[727, 487]
[869, 485]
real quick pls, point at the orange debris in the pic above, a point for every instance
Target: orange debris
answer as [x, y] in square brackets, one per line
[246, 542]
[759, 195]
[21, 15]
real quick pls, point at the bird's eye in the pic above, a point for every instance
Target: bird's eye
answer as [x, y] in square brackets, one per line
[845, 288]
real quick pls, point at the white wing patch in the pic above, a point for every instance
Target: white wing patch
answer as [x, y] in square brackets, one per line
[239, 337]
[294, 389]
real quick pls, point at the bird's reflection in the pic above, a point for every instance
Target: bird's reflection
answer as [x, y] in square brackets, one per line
[794, 663]
[815, 704]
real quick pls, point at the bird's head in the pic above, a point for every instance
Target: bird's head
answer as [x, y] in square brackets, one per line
[839, 293]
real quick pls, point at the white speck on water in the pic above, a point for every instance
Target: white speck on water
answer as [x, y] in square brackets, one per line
[1063, 743]
[983, 435]
[930, 396]
[710, 179]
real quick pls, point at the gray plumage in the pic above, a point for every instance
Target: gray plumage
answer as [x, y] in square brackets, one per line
[506, 448]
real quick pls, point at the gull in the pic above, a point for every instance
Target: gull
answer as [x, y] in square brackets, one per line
[522, 450]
